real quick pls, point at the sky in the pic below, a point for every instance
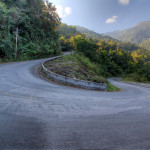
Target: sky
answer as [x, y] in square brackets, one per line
[103, 15]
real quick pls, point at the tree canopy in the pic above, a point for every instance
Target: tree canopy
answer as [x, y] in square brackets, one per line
[36, 22]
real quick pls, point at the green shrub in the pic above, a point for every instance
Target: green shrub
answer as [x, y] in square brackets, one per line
[112, 88]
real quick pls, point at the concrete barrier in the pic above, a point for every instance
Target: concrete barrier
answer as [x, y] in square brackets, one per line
[73, 82]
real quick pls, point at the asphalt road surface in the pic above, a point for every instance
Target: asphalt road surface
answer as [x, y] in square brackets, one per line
[38, 115]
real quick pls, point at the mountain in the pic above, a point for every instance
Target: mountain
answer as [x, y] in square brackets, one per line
[139, 34]
[66, 32]
[92, 34]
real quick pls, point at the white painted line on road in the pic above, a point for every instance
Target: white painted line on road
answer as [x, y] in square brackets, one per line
[31, 98]
[5, 93]
[19, 96]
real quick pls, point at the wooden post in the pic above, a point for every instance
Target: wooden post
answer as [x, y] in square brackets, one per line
[16, 49]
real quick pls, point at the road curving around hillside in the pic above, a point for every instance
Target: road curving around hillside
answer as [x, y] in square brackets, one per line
[72, 82]
[37, 114]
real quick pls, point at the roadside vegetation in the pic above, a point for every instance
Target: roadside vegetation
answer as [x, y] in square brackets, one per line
[28, 30]
[112, 88]
[135, 78]
[67, 32]
[112, 61]
[76, 66]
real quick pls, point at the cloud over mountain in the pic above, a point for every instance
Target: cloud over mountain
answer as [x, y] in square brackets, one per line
[111, 20]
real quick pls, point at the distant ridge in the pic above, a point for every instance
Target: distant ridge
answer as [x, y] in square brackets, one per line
[92, 34]
[68, 31]
[138, 34]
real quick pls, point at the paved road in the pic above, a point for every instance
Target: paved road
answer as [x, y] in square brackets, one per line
[36, 114]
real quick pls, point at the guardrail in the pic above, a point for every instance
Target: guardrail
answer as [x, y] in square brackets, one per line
[73, 82]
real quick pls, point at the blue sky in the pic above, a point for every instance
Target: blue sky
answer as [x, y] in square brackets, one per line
[103, 15]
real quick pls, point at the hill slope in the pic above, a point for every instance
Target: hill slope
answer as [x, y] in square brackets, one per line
[92, 34]
[67, 32]
[139, 34]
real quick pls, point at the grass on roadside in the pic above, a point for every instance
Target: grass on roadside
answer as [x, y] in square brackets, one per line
[78, 66]
[20, 59]
[112, 88]
[134, 78]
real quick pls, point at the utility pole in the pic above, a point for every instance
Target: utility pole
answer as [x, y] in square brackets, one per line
[16, 49]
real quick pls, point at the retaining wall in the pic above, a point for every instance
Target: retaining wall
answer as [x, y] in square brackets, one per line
[73, 82]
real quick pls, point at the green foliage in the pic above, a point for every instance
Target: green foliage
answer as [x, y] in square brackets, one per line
[85, 61]
[114, 58]
[65, 44]
[88, 48]
[36, 23]
[113, 61]
[141, 55]
[69, 32]
[146, 71]
[112, 88]
[76, 66]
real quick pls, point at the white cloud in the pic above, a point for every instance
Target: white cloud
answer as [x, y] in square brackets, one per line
[68, 10]
[124, 2]
[111, 20]
[63, 11]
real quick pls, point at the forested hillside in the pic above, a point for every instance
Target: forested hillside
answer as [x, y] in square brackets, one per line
[112, 57]
[113, 61]
[67, 33]
[139, 34]
[28, 29]
[92, 34]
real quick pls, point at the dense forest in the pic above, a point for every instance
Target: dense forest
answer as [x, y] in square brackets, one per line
[113, 61]
[139, 34]
[28, 29]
